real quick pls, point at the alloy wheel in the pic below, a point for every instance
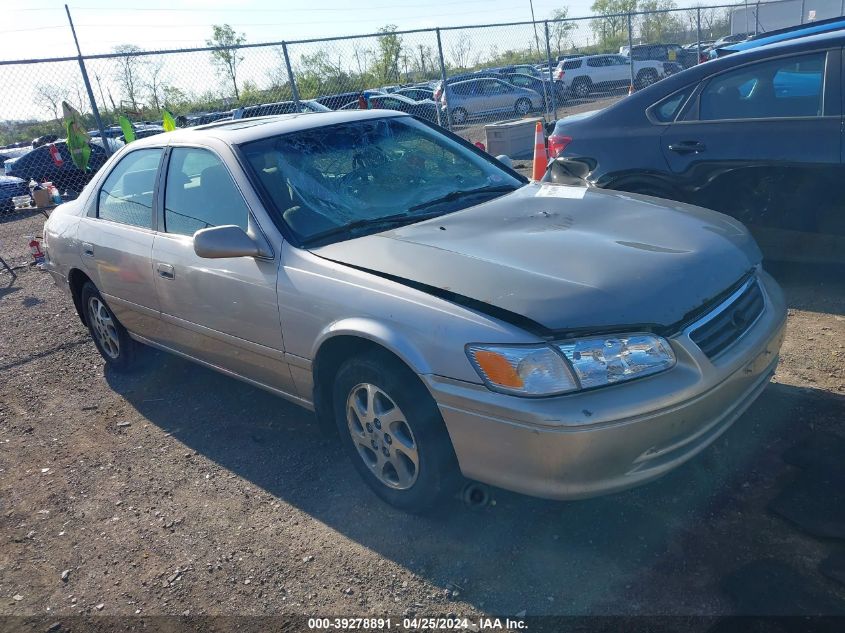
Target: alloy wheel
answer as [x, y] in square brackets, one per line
[382, 436]
[103, 325]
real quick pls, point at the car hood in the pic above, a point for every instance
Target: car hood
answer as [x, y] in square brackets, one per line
[566, 258]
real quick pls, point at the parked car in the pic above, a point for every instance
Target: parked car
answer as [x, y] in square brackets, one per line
[480, 97]
[280, 107]
[585, 75]
[336, 102]
[416, 94]
[756, 135]
[9, 153]
[480, 74]
[665, 53]
[735, 37]
[448, 318]
[538, 85]
[780, 35]
[39, 165]
[9, 188]
[424, 109]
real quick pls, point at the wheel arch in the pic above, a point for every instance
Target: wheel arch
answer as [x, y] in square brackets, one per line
[353, 337]
[76, 279]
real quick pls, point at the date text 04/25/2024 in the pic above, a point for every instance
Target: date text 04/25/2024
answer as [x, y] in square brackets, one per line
[415, 624]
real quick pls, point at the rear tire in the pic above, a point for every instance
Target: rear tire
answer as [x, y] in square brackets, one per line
[393, 432]
[581, 88]
[645, 78]
[110, 337]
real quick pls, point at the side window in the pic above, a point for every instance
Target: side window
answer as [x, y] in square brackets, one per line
[595, 62]
[200, 193]
[127, 193]
[572, 65]
[788, 87]
[667, 110]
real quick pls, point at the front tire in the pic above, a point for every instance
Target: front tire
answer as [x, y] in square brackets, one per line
[393, 432]
[459, 116]
[110, 337]
[522, 106]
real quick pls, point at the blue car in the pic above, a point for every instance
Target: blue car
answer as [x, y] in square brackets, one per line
[9, 188]
[39, 165]
[780, 35]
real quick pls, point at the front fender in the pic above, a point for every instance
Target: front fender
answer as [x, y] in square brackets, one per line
[380, 333]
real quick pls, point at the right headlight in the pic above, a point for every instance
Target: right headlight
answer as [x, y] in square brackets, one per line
[607, 360]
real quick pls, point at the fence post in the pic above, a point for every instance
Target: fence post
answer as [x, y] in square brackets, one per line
[445, 94]
[294, 90]
[631, 48]
[802, 11]
[94, 109]
[698, 31]
[552, 88]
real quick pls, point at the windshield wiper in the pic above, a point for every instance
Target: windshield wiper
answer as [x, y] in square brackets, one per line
[387, 221]
[462, 193]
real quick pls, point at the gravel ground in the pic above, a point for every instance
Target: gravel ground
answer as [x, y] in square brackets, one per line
[177, 490]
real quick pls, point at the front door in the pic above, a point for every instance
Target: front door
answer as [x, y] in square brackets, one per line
[116, 241]
[221, 311]
[762, 143]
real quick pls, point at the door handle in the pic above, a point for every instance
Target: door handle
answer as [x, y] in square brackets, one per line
[165, 271]
[87, 249]
[688, 147]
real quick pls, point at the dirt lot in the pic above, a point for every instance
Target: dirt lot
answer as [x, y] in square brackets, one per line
[178, 490]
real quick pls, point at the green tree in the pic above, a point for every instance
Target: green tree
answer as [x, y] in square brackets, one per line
[226, 54]
[386, 66]
[559, 31]
[612, 30]
[658, 25]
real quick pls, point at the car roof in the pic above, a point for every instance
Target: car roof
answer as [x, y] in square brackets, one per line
[790, 33]
[245, 130]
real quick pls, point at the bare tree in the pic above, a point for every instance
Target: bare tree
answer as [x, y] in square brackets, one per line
[50, 97]
[155, 83]
[129, 66]
[461, 52]
[226, 54]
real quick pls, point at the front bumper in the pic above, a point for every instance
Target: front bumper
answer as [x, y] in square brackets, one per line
[596, 442]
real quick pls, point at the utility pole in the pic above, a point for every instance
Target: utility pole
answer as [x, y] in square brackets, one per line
[94, 110]
[536, 37]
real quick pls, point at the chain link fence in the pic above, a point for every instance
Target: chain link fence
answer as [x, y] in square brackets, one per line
[462, 78]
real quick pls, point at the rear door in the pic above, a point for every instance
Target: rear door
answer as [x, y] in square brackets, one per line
[116, 240]
[762, 142]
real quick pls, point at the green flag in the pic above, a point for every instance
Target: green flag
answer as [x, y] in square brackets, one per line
[77, 137]
[168, 122]
[128, 131]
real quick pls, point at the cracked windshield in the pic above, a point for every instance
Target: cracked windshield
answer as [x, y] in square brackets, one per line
[368, 171]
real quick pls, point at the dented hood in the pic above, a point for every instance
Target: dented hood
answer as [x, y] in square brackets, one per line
[567, 258]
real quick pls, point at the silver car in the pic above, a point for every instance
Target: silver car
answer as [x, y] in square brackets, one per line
[479, 97]
[448, 317]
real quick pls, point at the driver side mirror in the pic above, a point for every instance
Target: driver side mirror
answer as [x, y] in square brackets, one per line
[218, 242]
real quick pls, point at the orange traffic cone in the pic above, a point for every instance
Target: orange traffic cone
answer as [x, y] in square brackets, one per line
[541, 159]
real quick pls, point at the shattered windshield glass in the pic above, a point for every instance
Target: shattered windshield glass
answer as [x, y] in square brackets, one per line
[360, 174]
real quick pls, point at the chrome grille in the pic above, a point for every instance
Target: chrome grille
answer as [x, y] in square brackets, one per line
[722, 327]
